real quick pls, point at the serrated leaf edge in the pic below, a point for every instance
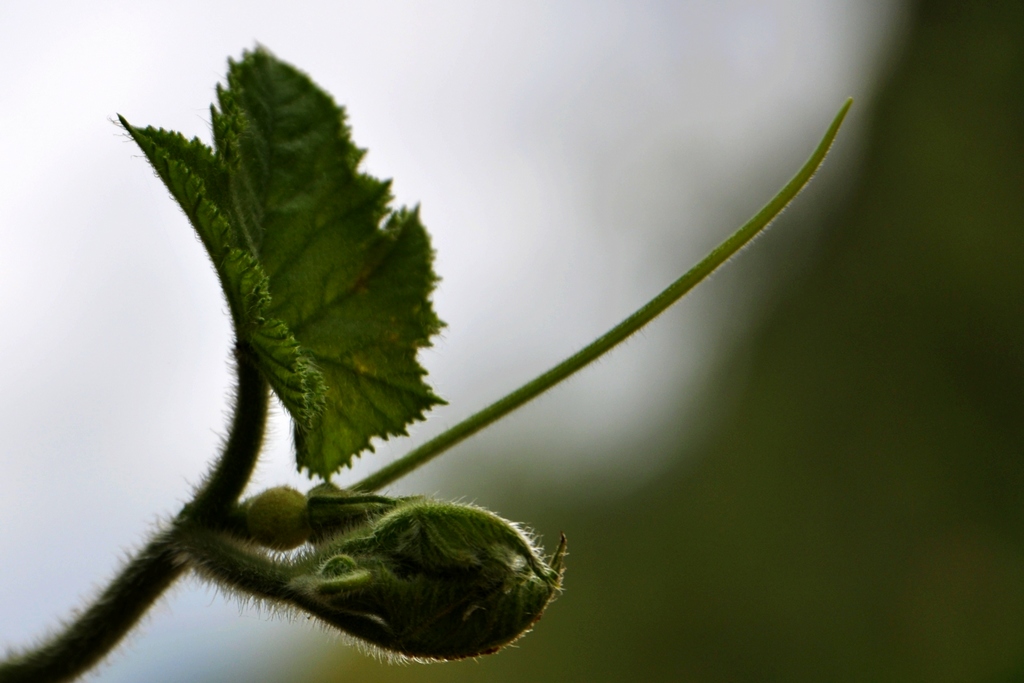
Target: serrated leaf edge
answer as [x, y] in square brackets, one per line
[287, 366]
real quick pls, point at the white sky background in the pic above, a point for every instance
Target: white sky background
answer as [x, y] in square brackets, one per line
[571, 159]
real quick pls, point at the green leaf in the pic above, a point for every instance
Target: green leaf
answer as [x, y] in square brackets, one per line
[327, 285]
[199, 181]
[288, 367]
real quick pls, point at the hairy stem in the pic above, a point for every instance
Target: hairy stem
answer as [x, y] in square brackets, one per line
[233, 565]
[212, 505]
[95, 632]
[617, 334]
[84, 641]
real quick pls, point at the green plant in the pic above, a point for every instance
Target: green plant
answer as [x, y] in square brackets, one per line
[329, 293]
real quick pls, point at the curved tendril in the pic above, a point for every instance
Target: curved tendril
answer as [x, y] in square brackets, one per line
[619, 333]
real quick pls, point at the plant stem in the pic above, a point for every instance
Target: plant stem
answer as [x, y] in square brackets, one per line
[95, 632]
[98, 629]
[233, 564]
[617, 334]
[212, 505]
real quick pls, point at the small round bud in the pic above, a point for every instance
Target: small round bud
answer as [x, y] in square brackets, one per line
[277, 518]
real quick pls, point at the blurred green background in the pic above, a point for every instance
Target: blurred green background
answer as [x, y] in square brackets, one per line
[855, 513]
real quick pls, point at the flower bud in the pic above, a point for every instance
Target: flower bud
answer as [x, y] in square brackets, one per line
[277, 518]
[431, 580]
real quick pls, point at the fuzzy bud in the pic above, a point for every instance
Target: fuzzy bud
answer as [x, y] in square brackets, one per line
[277, 518]
[431, 580]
